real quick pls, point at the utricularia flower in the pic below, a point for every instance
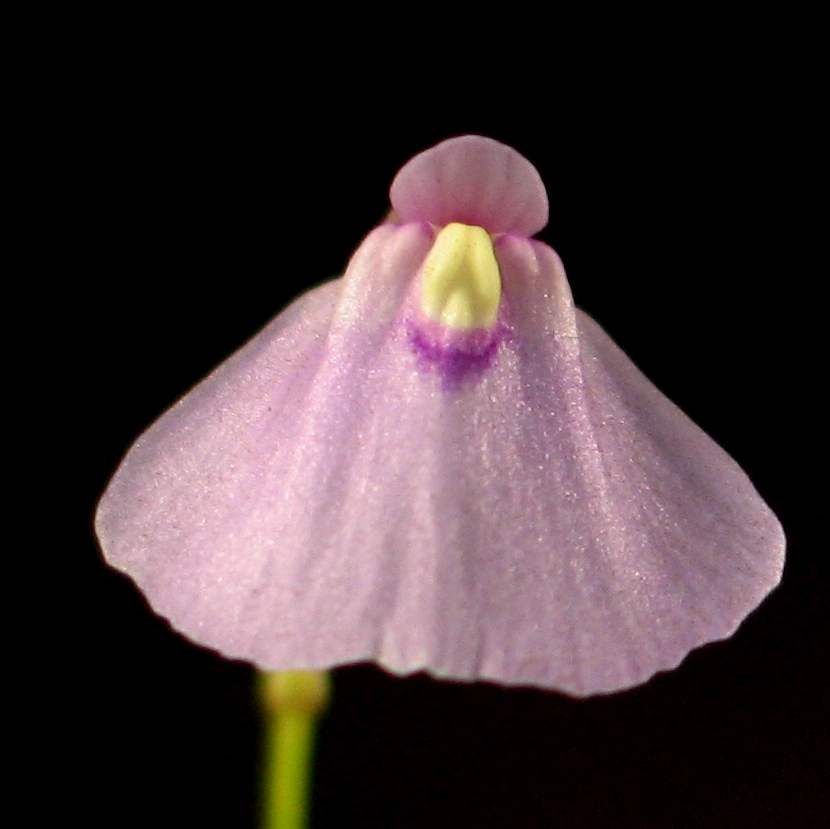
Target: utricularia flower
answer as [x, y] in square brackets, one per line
[437, 462]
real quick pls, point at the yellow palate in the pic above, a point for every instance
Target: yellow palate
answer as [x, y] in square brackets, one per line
[460, 281]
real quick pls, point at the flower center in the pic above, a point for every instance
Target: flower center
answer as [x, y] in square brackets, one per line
[460, 281]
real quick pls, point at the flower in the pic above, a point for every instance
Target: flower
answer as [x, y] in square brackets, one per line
[437, 462]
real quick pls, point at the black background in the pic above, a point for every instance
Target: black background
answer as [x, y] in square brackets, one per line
[216, 197]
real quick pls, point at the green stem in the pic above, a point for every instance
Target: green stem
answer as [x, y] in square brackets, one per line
[292, 702]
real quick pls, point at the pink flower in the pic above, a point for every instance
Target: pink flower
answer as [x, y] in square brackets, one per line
[437, 462]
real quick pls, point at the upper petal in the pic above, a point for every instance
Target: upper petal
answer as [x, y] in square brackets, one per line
[475, 181]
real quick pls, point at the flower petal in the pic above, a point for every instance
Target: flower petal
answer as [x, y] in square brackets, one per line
[473, 180]
[200, 511]
[553, 520]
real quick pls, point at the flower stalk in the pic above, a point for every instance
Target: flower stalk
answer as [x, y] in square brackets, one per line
[292, 702]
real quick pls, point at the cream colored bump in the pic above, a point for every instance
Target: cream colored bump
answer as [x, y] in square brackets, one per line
[460, 281]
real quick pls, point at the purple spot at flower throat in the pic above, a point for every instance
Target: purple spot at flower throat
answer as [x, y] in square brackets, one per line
[456, 355]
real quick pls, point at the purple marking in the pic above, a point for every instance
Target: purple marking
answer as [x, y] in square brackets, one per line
[457, 355]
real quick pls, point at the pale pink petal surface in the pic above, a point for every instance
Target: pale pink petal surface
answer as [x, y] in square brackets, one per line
[336, 493]
[445, 184]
